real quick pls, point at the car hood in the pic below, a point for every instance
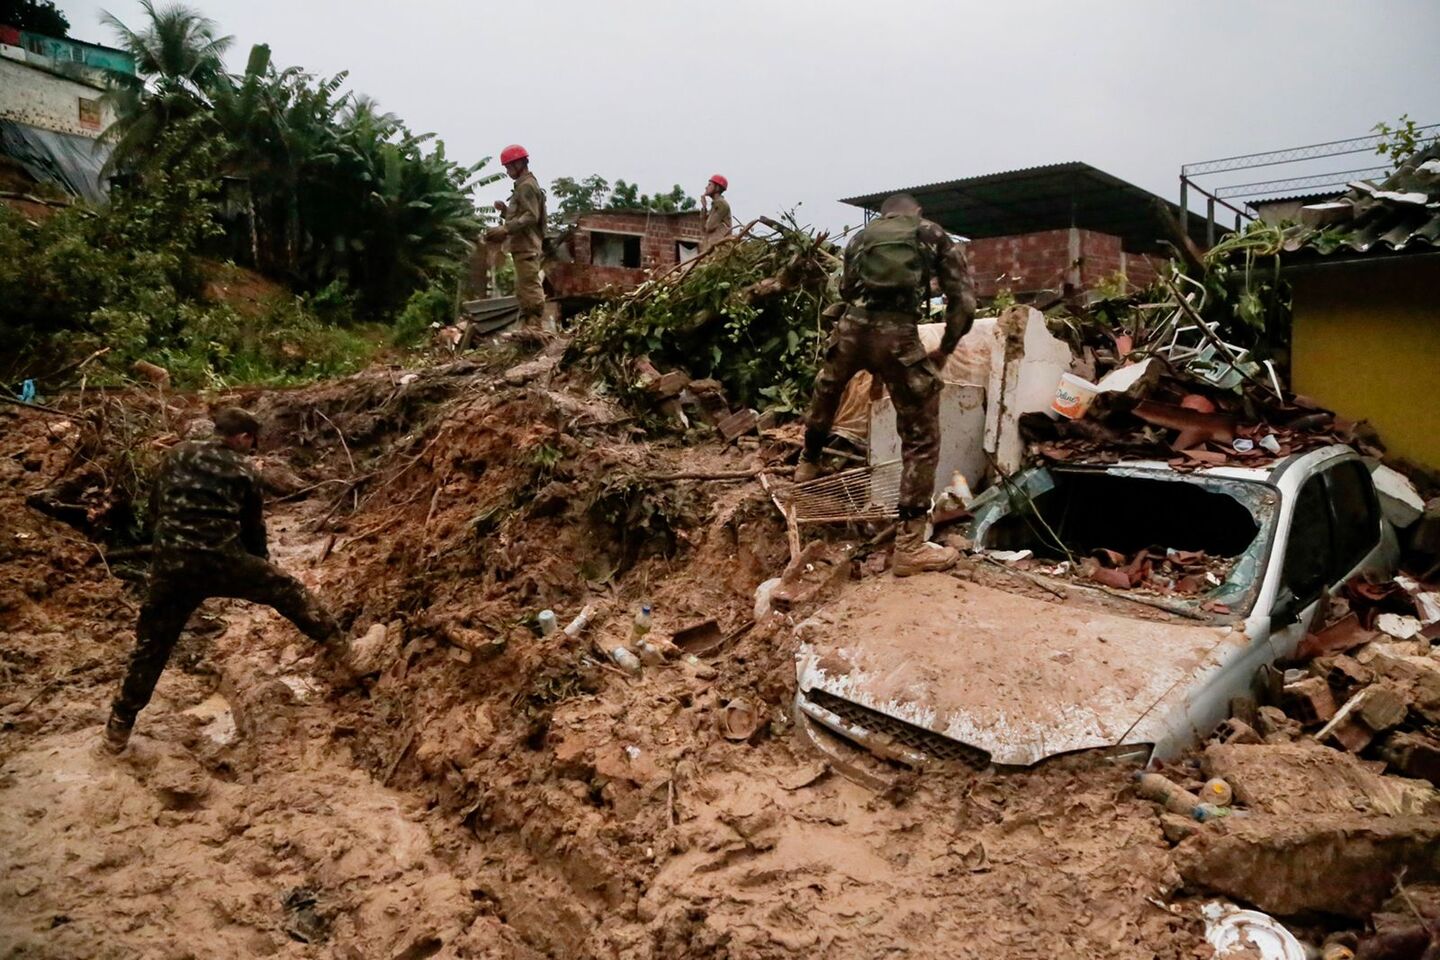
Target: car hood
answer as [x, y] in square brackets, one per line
[1018, 677]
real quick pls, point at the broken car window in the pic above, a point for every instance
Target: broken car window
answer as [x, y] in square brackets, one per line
[1176, 535]
[1357, 515]
[1309, 556]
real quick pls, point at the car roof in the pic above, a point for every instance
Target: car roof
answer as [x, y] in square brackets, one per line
[1270, 472]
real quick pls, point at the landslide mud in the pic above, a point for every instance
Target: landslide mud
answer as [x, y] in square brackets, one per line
[489, 793]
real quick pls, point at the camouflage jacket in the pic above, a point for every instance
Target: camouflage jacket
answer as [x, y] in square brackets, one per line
[525, 217]
[207, 497]
[951, 271]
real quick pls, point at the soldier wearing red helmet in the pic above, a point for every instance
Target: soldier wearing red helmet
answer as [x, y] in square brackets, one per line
[717, 212]
[523, 231]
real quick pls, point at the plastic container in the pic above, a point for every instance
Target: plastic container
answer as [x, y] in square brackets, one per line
[548, 623]
[649, 653]
[1073, 396]
[626, 660]
[642, 622]
[1217, 792]
[1248, 933]
[1163, 790]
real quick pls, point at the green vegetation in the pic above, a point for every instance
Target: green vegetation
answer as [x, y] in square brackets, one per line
[749, 315]
[1402, 141]
[573, 197]
[363, 222]
[37, 15]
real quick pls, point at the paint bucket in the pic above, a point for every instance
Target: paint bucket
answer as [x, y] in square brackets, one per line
[1072, 396]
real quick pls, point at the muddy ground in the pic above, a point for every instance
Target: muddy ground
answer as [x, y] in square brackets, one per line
[490, 792]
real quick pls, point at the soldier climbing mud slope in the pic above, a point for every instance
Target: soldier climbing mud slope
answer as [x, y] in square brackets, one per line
[210, 541]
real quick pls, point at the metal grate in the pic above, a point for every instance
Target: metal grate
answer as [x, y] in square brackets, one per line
[932, 744]
[864, 493]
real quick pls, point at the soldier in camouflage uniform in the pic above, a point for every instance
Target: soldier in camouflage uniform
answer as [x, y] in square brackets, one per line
[877, 332]
[523, 231]
[209, 542]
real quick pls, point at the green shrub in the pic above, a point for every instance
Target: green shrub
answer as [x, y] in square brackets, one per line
[425, 307]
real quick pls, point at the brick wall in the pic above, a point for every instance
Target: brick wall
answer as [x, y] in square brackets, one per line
[40, 99]
[1029, 263]
[658, 235]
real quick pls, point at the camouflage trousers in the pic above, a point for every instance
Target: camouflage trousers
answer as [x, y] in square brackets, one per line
[529, 286]
[179, 583]
[887, 344]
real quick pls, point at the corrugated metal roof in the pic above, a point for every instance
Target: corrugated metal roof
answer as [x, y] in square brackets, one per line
[1400, 214]
[1049, 197]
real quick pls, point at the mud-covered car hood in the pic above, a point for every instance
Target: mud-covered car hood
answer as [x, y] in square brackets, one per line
[1017, 677]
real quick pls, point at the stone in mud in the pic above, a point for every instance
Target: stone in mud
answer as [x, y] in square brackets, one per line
[1342, 864]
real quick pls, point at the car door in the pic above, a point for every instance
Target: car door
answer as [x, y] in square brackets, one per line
[1335, 532]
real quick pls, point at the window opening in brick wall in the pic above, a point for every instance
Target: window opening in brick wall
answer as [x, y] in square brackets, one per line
[686, 249]
[614, 250]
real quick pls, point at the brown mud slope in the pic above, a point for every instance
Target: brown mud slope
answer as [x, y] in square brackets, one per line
[492, 792]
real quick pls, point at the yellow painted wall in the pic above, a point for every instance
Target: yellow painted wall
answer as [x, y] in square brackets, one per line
[1366, 344]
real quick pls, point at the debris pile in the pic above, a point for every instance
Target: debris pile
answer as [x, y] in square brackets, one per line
[746, 315]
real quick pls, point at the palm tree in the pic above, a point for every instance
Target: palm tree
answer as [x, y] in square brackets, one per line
[178, 55]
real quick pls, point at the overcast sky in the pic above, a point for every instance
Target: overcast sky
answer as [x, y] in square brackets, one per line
[805, 101]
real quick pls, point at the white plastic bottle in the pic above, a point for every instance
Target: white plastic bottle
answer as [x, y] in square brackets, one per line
[626, 660]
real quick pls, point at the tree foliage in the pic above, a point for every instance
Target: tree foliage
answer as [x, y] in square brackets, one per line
[748, 314]
[40, 16]
[335, 190]
[1402, 141]
[574, 197]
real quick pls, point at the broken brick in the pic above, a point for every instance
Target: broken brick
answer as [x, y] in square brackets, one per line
[669, 385]
[738, 423]
[1236, 730]
[1380, 708]
[1343, 673]
[1413, 754]
[1309, 701]
[1341, 636]
[1275, 726]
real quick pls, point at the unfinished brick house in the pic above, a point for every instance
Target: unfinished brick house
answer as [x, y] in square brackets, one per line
[619, 248]
[1062, 228]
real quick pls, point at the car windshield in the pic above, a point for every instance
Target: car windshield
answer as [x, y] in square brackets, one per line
[1196, 539]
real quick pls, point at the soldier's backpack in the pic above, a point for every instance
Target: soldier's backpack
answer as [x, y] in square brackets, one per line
[890, 258]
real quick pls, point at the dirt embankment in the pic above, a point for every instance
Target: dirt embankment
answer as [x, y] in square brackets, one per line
[493, 792]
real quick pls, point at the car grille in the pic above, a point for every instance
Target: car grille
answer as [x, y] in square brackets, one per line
[933, 745]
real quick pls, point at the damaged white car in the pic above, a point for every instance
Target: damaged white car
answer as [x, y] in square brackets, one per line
[1013, 668]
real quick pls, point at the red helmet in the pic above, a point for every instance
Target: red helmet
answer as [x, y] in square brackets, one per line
[512, 153]
[720, 182]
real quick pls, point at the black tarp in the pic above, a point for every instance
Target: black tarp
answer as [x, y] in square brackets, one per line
[70, 162]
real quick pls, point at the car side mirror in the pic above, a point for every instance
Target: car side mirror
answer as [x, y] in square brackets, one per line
[1286, 609]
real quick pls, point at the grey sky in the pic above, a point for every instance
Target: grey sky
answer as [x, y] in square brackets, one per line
[805, 101]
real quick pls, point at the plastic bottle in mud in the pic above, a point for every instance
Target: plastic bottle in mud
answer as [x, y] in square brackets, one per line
[626, 660]
[547, 622]
[576, 626]
[1163, 790]
[640, 638]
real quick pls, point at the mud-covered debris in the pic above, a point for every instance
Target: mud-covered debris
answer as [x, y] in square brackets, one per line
[376, 649]
[1413, 754]
[1305, 780]
[304, 922]
[1341, 863]
[739, 720]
